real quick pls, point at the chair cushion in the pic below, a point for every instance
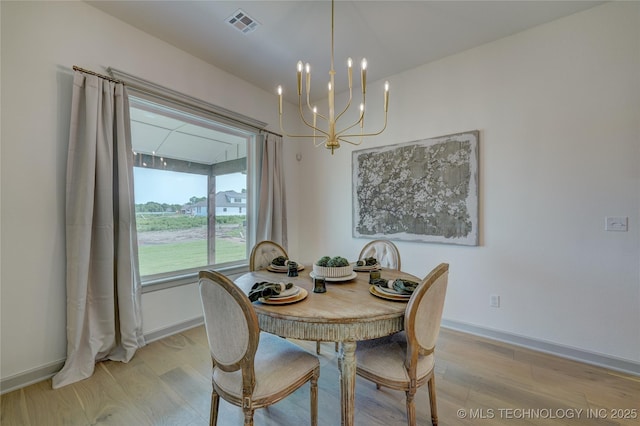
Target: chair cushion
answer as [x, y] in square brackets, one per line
[278, 364]
[385, 358]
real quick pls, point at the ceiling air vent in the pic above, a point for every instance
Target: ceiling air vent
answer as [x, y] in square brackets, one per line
[242, 22]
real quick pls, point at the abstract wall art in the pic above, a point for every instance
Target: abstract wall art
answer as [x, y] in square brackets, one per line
[425, 191]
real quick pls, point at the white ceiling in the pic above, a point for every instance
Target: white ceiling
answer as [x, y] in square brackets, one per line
[393, 35]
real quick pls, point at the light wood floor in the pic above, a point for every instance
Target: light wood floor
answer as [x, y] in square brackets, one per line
[479, 382]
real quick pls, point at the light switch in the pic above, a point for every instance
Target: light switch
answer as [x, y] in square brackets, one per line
[616, 223]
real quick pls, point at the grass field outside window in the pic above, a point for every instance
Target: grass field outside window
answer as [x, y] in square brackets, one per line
[160, 258]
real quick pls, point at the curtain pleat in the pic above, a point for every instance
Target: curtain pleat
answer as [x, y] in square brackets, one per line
[272, 212]
[103, 282]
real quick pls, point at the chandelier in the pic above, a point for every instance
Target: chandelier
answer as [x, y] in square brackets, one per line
[329, 135]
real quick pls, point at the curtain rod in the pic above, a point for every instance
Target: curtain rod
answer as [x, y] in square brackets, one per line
[269, 131]
[115, 80]
[105, 77]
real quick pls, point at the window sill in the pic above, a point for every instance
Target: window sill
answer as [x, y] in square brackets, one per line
[164, 283]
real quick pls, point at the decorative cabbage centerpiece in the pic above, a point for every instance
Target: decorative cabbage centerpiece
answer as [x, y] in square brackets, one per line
[332, 267]
[280, 261]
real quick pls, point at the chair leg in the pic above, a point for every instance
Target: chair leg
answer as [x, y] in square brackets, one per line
[432, 400]
[314, 397]
[318, 347]
[215, 402]
[248, 416]
[411, 408]
[337, 347]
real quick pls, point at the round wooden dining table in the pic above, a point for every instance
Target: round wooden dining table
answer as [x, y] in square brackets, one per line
[346, 313]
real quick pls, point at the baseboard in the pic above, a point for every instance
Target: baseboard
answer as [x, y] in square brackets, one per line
[612, 363]
[47, 371]
[173, 329]
[30, 377]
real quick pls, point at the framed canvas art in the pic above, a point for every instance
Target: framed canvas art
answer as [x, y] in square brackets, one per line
[425, 191]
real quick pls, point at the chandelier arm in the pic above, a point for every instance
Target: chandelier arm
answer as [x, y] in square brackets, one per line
[322, 116]
[367, 134]
[361, 114]
[322, 142]
[322, 135]
[309, 105]
[304, 136]
[340, 133]
[349, 142]
[311, 108]
[346, 107]
[284, 132]
[311, 126]
[305, 121]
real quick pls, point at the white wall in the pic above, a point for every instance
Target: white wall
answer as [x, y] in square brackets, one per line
[41, 41]
[558, 108]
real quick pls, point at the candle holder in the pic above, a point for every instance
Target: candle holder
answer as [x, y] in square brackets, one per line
[319, 285]
[373, 275]
[293, 269]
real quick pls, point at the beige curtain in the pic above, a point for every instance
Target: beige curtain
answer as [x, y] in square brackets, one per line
[103, 281]
[272, 212]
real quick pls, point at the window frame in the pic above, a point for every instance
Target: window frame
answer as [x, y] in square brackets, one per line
[151, 92]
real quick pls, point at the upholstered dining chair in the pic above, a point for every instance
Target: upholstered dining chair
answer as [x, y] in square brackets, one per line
[250, 369]
[263, 253]
[385, 251]
[261, 256]
[405, 361]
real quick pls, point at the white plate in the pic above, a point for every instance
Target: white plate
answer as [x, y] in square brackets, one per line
[336, 279]
[287, 293]
[392, 292]
[381, 294]
[276, 268]
[285, 300]
[367, 268]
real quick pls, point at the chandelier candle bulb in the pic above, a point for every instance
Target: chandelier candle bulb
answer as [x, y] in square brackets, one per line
[299, 74]
[308, 75]
[350, 73]
[364, 75]
[386, 96]
[280, 97]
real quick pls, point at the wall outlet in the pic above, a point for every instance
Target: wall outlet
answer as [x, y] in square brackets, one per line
[616, 223]
[494, 301]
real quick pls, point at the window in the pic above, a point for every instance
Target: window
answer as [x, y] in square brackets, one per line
[191, 184]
